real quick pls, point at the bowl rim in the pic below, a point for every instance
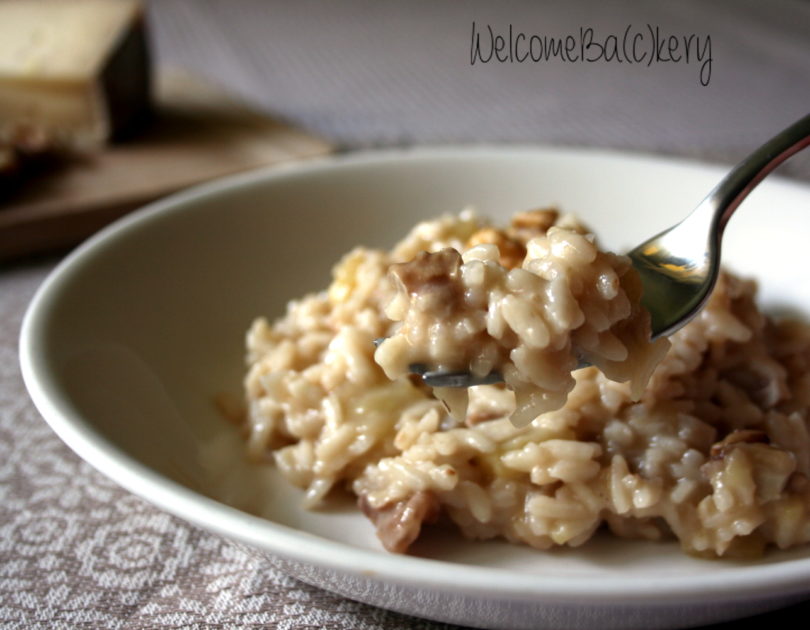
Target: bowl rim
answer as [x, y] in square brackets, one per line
[786, 577]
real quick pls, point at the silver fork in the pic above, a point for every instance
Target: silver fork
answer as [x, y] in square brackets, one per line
[679, 267]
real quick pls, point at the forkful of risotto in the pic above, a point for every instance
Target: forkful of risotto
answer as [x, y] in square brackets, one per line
[529, 305]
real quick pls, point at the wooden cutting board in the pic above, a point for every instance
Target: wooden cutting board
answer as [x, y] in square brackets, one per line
[198, 133]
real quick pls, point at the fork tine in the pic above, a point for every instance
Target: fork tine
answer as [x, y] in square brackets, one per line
[437, 378]
[458, 379]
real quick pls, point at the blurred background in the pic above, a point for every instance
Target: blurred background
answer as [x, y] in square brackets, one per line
[247, 83]
[369, 73]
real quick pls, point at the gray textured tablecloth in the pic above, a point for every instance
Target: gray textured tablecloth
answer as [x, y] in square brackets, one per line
[76, 550]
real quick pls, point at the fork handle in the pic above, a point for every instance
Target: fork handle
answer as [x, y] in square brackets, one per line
[726, 197]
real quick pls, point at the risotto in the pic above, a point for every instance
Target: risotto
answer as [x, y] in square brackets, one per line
[705, 440]
[529, 319]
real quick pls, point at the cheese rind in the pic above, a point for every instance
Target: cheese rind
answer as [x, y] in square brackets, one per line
[72, 74]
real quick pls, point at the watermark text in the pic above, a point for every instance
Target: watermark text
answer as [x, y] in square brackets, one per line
[644, 45]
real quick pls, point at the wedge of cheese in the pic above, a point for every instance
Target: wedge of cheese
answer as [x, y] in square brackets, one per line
[73, 73]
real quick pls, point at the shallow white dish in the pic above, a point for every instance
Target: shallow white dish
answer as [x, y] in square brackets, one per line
[129, 340]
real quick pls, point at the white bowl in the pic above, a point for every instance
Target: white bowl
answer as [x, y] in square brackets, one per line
[130, 339]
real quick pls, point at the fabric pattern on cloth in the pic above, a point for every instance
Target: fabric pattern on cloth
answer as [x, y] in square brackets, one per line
[78, 551]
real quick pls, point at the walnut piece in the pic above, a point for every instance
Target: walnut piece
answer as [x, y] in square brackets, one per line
[399, 524]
